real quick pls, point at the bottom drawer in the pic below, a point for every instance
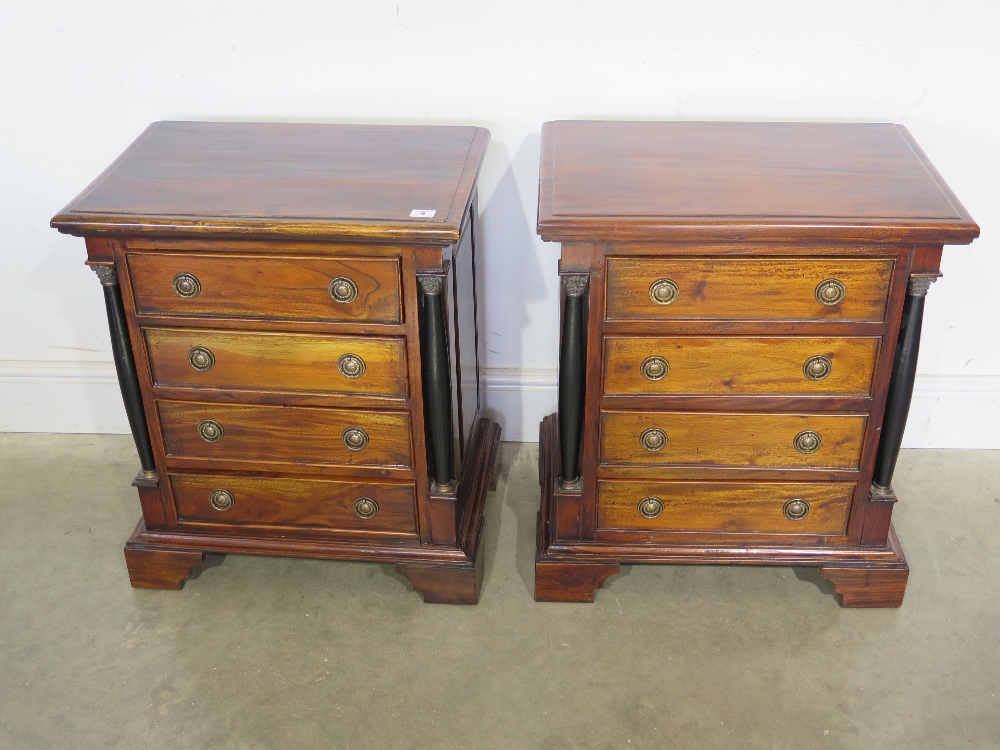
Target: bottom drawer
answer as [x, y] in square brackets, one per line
[762, 507]
[298, 503]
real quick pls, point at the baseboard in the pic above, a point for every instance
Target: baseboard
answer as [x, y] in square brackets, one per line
[48, 396]
[518, 399]
[954, 411]
[948, 411]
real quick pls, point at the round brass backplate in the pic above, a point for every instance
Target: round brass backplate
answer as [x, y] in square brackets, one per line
[654, 368]
[186, 285]
[221, 499]
[650, 507]
[351, 366]
[354, 438]
[796, 509]
[830, 292]
[210, 431]
[653, 439]
[365, 507]
[201, 359]
[343, 290]
[663, 291]
[817, 368]
[807, 441]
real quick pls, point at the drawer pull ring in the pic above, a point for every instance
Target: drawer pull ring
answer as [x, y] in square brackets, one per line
[807, 441]
[343, 290]
[365, 507]
[354, 438]
[186, 285]
[653, 439]
[817, 368]
[650, 507]
[830, 292]
[210, 431]
[663, 291]
[796, 509]
[654, 368]
[222, 499]
[351, 366]
[201, 359]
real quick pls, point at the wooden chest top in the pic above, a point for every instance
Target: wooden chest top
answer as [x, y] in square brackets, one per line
[274, 179]
[736, 182]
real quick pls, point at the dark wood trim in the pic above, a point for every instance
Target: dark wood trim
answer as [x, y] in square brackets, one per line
[128, 379]
[572, 376]
[436, 381]
[904, 371]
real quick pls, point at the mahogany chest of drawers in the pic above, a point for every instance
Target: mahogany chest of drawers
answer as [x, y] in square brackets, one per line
[294, 321]
[741, 317]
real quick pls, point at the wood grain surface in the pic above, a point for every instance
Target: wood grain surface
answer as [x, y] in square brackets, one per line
[747, 288]
[266, 287]
[739, 181]
[730, 365]
[727, 507]
[287, 179]
[754, 440]
[285, 434]
[292, 362]
[320, 503]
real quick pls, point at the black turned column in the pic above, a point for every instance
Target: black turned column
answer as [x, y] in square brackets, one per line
[128, 379]
[904, 370]
[437, 385]
[572, 367]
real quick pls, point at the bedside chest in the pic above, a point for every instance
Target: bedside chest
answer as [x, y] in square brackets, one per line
[293, 312]
[741, 315]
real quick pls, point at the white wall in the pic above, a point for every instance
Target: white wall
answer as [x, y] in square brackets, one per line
[78, 81]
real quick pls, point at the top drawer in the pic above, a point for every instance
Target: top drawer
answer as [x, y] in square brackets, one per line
[279, 288]
[747, 288]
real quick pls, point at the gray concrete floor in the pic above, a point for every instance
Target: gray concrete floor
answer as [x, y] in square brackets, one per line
[269, 653]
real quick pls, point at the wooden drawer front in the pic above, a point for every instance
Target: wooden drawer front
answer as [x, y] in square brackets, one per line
[265, 287]
[296, 502]
[277, 361]
[283, 434]
[733, 365]
[747, 288]
[709, 439]
[725, 506]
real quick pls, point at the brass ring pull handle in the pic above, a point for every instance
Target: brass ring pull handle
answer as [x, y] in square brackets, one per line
[210, 431]
[650, 507]
[807, 442]
[221, 499]
[830, 292]
[817, 368]
[351, 366]
[343, 290]
[796, 509]
[365, 507]
[201, 359]
[654, 368]
[663, 291]
[653, 439]
[354, 438]
[187, 286]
